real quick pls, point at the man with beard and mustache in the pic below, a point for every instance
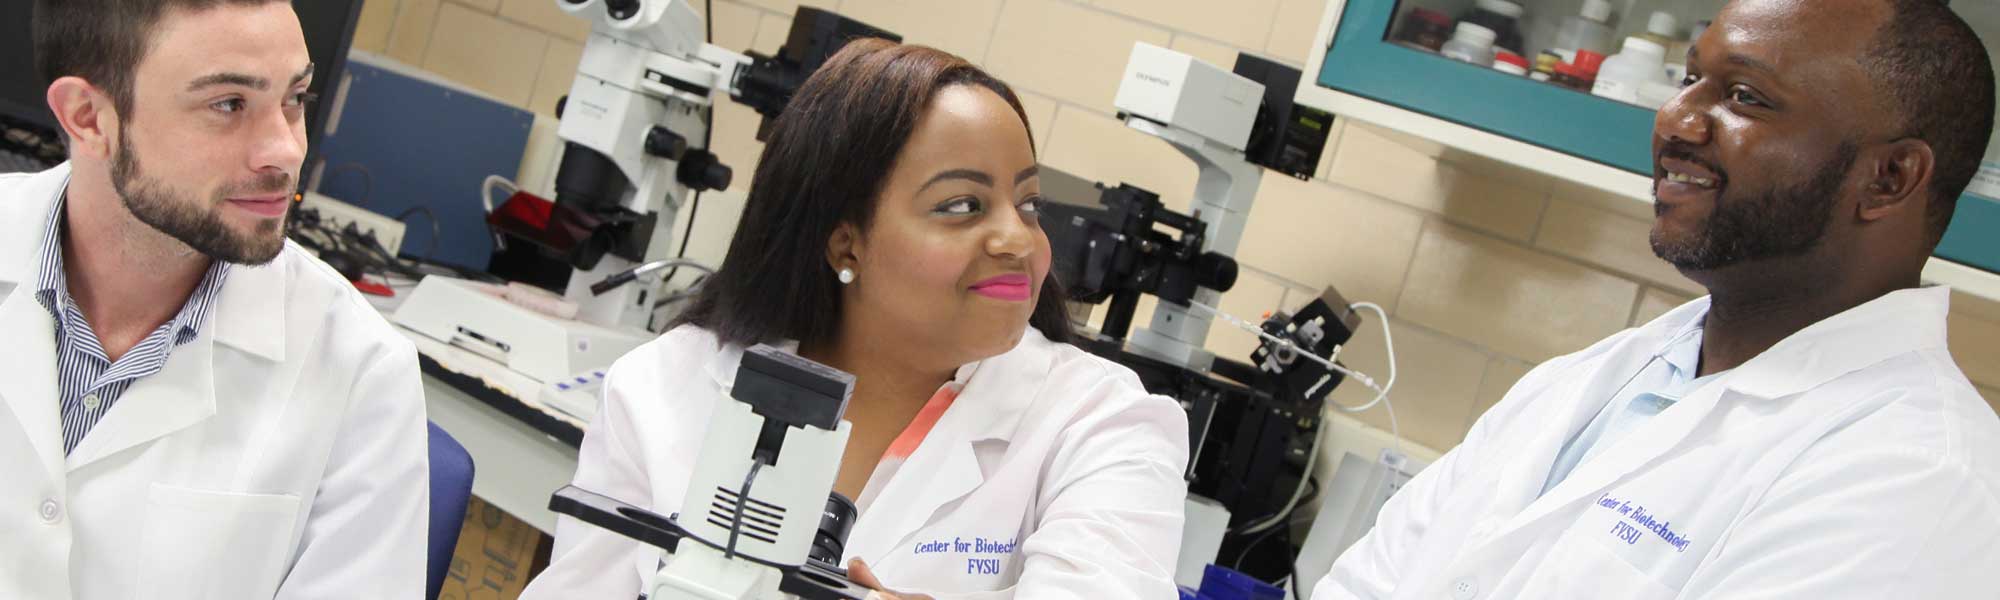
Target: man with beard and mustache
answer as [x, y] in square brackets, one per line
[1802, 432]
[190, 407]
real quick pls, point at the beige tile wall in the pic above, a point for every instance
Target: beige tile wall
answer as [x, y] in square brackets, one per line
[1486, 271]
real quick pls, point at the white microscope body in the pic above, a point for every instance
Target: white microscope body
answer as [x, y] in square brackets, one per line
[635, 126]
[1206, 113]
[757, 521]
[641, 99]
[779, 515]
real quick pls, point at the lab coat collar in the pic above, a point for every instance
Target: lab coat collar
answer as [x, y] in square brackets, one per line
[30, 371]
[1519, 498]
[26, 216]
[946, 466]
[179, 396]
[1682, 349]
[1897, 323]
[249, 313]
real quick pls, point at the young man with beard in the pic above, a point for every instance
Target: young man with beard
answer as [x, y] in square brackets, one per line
[1801, 432]
[192, 407]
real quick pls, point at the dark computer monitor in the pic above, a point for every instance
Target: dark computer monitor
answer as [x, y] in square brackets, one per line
[329, 29]
[21, 91]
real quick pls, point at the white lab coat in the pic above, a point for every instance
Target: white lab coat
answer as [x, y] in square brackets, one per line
[282, 453]
[1851, 460]
[1046, 445]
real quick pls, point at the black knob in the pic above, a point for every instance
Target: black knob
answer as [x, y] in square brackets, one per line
[702, 170]
[1217, 272]
[621, 9]
[665, 144]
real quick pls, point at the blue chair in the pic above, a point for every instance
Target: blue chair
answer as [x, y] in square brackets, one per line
[451, 489]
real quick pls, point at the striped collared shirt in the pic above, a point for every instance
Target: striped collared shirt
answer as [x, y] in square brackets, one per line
[88, 382]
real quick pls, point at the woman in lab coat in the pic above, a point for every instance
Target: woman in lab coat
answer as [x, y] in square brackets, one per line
[892, 233]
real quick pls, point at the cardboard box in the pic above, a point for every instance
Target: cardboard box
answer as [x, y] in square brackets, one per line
[497, 555]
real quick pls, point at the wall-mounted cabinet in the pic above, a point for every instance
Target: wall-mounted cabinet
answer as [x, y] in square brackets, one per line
[1374, 65]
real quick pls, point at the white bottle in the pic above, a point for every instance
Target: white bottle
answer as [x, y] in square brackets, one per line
[1471, 43]
[1624, 73]
[1655, 95]
[1660, 28]
[1588, 31]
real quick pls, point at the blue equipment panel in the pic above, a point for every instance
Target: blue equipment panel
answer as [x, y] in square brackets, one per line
[414, 143]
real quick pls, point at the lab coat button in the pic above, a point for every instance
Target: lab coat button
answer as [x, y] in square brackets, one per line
[51, 511]
[90, 402]
[1464, 589]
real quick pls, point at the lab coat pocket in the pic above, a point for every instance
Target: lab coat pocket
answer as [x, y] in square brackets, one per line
[210, 544]
[1591, 568]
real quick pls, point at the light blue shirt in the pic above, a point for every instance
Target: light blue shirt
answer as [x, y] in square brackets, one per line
[1664, 380]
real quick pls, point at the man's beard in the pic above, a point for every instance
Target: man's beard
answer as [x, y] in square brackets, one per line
[196, 223]
[1789, 222]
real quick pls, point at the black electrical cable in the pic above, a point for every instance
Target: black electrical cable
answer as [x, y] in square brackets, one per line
[707, 145]
[1291, 563]
[371, 249]
[349, 242]
[742, 499]
[431, 251]
[367, 179]
[1238, 563]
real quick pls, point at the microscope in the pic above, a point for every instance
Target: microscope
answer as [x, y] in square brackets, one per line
[635, 127]
[1251, 424]
[751, 525]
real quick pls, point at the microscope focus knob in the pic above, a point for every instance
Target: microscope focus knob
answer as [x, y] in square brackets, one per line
[665, 144]
[702, 170]
[1216, 271]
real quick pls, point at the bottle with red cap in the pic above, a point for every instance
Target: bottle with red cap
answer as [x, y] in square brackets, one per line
[1510, 63]
[1425, 29]
[1588, 62]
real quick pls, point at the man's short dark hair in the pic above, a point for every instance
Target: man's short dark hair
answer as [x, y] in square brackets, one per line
[1935, 73]
[102, 41]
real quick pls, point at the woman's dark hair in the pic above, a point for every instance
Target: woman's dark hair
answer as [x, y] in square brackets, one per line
[828, 158]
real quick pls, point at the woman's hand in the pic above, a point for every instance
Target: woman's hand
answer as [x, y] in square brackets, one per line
[858, 572]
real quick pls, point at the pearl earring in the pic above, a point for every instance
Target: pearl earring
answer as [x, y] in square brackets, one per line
[846, 276]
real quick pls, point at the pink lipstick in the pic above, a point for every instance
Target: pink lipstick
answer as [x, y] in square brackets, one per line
[1014, 287]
